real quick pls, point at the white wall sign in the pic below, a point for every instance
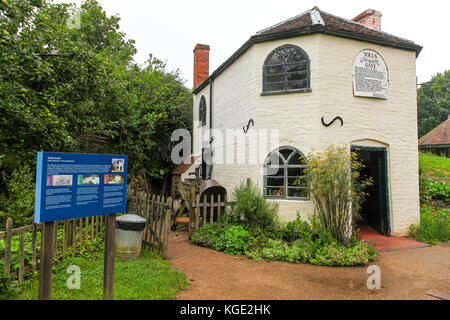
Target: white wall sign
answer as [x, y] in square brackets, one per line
[370, 75]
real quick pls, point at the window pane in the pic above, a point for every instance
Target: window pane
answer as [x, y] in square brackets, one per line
[297, 67]
[275, 182]
[274, 87]
[298, 192]
[299, 181]
[295, 55]
[296, 84]
[297, 159]
[276, 191]
[276, 59]
[274, 171]
[274, 159]
[294, 172]
[202, 111]
[286, 153]
[293, 76]
[273, 79]
[270, 70]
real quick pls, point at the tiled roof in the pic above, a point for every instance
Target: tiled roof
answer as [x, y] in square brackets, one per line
[334, 24]
[183, 166]
[438, 136]
[317, 21]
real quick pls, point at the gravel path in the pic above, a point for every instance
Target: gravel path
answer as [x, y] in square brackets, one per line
[405, 274]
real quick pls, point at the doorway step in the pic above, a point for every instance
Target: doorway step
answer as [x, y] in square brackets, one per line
[385, 243]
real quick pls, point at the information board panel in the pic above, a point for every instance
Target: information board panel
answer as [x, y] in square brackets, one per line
[370, 75]
[72, 185]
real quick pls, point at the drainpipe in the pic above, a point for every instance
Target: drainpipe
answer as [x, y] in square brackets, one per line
[211, 139]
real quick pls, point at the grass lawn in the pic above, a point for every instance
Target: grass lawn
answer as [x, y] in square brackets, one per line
[435, 167]
[147, 278]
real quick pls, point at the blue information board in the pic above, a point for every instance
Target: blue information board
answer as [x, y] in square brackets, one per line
[73, 185]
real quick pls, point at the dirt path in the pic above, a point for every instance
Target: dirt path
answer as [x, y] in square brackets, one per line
[405, 274]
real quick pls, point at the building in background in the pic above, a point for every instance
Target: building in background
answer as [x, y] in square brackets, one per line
[437, 141]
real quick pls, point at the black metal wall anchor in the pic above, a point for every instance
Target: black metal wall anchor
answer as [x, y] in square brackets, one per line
[250, 122]
[329, 124]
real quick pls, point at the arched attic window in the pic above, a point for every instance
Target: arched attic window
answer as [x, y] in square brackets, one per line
[202, 111]
[285, 174]
[286, 69]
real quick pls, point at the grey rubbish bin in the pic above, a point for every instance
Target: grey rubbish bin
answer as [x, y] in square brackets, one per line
[129, 233]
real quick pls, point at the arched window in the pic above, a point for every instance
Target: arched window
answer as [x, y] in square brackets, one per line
[285, 174]
[286, 69]
[202, 111]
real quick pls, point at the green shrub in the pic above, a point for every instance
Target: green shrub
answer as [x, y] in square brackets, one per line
[308, 251]
[298, 242]
[438, 190]
[297, 229]
[231, 239]
[19, 205]
[237, 240]
[337, 189]
[335, 254]
[311, 243]
[253, 210]
[434, 225]
[433, 166]
[210, 236]
[281, 251]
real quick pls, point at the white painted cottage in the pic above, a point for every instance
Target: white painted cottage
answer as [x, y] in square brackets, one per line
[291, 81]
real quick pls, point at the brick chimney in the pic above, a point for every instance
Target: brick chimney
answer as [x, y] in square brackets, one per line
[370, 18]
[201, 64]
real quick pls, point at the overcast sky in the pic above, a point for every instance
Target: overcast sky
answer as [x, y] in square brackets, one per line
[169, 29]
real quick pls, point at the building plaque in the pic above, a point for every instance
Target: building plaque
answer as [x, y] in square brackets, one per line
[370, 75]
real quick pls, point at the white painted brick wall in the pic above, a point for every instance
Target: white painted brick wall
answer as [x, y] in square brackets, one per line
[390, 123]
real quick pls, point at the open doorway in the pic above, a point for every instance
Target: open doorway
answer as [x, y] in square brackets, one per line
[375, 210]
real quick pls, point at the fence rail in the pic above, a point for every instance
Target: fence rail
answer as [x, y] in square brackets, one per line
[21, 254]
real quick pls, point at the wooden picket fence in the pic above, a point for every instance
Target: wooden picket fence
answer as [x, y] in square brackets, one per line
[75, 232]
[208, 211]
[157, 212]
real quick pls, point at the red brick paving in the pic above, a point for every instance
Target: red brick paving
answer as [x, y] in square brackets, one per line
[385, 243]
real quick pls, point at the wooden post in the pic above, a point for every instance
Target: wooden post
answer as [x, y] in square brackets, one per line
[197, 212]
[204, 210]
[47, 243]
[92, 227]
[86, 230]
[219, 206]
[108, 267]
[211, 211]
[64, 244]
[167, 214]
[33, 246]
[155, 223]
[8, 235]
[74, 236]
[191, 210]
[160, 226]
[152, 222]
[21, 258]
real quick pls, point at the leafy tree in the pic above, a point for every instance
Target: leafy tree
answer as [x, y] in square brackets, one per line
[65, 89]
[433, 102]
